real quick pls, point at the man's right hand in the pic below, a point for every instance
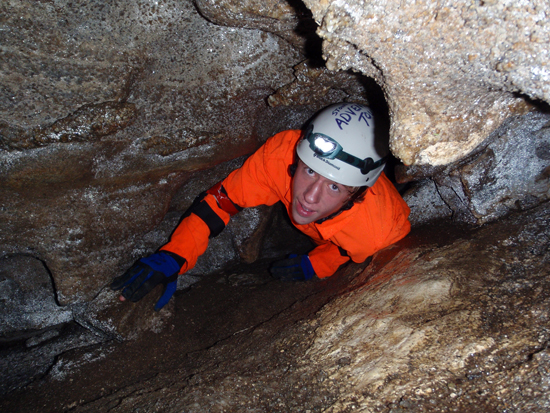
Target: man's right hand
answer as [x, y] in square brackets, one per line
[160, 268]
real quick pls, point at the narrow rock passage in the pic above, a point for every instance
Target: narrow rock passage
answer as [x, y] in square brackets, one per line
[448, 319]
[217, 310]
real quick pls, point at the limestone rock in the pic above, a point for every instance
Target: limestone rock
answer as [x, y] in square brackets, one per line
[22, 364]
[426, 203]
[35, 330]
[113, 117]
[106, 110]
[460, 326]
[288, 20]
[513, 170]
[318, 86]
[446, 320]
[451, 71]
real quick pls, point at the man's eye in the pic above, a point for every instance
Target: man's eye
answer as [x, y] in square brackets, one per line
[335, 187]
[310, 171]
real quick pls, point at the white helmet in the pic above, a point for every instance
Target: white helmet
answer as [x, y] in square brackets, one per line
[340, 145]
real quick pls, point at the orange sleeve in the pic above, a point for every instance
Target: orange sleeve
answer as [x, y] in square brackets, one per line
[263, 179]
[377, 222]
[326, 259]
[189, 241]
[390, 221]
[382, 220]
[260, 181]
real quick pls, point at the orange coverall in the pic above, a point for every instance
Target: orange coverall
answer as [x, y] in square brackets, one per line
[378, 221]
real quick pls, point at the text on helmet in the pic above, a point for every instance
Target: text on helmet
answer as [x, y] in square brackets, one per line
[346, 113]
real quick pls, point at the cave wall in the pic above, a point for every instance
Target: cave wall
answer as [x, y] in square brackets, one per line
[108, 109]
[114, 116]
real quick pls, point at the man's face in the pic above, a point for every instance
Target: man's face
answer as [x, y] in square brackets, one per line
[314, 196]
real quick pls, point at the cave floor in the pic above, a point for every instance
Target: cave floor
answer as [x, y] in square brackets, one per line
[215, 310]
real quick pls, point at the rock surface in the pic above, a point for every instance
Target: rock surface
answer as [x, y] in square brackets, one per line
[449, 319]
[451, 70]
[509, 172]
[113, 117]
[27, 300]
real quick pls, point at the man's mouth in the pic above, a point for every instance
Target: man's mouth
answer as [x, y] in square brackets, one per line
[302, 210]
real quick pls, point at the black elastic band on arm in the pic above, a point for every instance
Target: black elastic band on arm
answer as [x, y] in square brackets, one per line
[201, 209]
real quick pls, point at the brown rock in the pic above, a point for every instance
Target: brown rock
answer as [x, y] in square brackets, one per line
[450, 73]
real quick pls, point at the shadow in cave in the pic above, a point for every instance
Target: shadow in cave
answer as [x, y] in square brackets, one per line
[241, 303]
[307, 29]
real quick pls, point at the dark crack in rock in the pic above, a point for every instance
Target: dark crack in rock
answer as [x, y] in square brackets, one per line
[27, 302]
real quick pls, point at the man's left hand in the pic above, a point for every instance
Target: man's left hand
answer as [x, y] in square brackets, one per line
[294, 268]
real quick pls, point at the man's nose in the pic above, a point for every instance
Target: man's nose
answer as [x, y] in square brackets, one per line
[313, 192]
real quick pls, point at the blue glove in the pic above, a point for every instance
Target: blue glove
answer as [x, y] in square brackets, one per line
[294, 268]
[147, 273]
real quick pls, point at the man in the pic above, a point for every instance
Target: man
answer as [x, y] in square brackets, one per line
[331, 180]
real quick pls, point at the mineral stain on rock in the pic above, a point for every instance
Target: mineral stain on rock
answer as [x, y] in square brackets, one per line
[86, 124]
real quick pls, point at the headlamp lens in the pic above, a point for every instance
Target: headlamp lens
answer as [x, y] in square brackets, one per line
[323, 145]
[328, 148]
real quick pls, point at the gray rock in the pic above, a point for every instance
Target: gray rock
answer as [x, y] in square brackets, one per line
[21, 365]
[27, 297]
[451, 71]
[513, 171]
[426, 203]
[508, 172]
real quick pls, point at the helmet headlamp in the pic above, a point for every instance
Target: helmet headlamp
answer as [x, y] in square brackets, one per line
[326, 147]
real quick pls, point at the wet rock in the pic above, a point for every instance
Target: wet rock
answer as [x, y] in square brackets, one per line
[88, 123]
[23, 362]
[107, 113]
[112, 319]
[109, 109]
[426, 203]
[35, 330]
[80, 227]
[319, 86]
[511, 172]
[450, 71]
[450, 321]
[290, 20]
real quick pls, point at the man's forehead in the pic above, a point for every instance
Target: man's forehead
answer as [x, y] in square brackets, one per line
[349, 188]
